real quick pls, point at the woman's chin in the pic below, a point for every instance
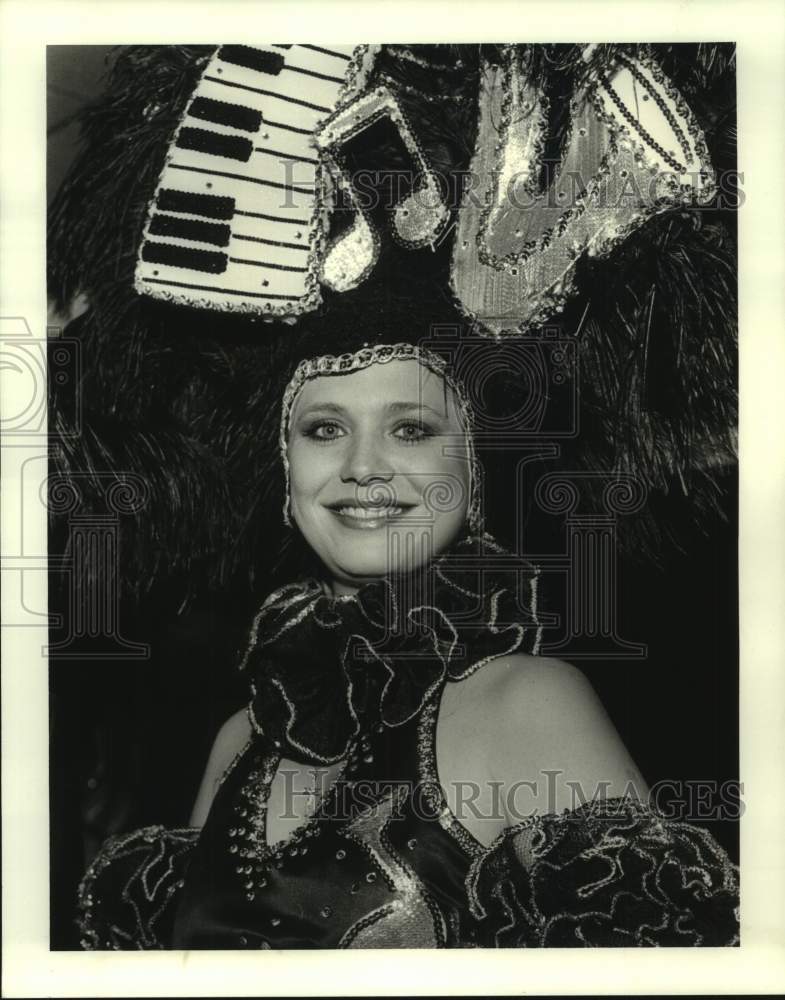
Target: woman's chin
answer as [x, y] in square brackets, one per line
[359, 568]
[358, 555]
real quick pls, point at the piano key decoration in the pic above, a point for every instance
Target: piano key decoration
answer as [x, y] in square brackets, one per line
[237, 222]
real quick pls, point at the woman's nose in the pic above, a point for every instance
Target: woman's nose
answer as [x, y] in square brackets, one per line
[365, 460]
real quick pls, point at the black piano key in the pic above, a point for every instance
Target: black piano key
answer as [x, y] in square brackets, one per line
[311, 72]
[190, 229]
[211, 206]
[231, 147]
[241, 177]
[269, 264]
[328, 52]
[194, 260]
[274, 218]
[256, 59]
[270, 93]
[223, 113]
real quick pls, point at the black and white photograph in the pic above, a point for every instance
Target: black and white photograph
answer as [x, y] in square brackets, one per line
[388, 457]
[417, 364]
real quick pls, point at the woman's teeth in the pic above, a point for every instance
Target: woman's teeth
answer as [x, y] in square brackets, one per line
[370, 513]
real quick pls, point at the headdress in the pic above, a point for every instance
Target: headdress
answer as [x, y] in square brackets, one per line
[630, 267]
[252, 152]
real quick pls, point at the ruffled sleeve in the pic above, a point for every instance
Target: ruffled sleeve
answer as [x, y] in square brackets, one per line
[613, 874]
[128, 897]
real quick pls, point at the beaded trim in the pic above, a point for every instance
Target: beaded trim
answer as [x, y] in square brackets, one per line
[431, 785]
[248, 837]
[357, 72]
[345, 364]
[408, 88]
[409, 56]
[369, 830]
[349, 936]
[667, 114]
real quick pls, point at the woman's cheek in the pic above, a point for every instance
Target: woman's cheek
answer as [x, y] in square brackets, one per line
[310, 466]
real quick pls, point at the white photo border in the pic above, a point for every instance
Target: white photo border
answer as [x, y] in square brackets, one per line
[758, 965]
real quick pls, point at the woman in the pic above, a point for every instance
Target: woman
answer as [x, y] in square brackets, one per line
[408, 773]
[467, 792]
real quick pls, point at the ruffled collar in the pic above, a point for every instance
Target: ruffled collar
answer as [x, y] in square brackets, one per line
[323, 669]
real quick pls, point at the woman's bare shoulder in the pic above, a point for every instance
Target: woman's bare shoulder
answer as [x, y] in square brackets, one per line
[540, 719]
[229, 741]
[522, 686]
[233, 735]
[532, 684]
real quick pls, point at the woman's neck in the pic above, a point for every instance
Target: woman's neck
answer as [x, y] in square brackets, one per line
[337, 588]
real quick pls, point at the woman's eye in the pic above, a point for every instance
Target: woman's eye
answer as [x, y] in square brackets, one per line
[410, 432]
[325, 430]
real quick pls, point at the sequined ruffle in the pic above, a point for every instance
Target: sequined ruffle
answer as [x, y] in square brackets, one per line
[610, 874]
[128, 895]
[323, 669]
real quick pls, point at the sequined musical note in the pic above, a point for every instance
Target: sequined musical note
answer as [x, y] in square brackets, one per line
[351, 256]
[633, 150]
[419, 218]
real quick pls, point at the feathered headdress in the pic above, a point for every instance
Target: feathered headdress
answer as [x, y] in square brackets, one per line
[225, 196]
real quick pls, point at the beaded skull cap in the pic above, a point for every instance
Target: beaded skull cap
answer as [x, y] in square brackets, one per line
[346, 364]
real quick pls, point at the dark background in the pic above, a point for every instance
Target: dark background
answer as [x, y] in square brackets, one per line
[129, 740]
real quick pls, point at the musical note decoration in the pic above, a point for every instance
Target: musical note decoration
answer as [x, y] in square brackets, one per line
[417, 220]
[633, 150]
[350, 257]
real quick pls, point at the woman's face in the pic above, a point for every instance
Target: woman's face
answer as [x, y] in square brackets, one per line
[379, 471]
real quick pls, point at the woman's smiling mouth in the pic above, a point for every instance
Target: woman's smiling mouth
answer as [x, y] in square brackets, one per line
[367, 516]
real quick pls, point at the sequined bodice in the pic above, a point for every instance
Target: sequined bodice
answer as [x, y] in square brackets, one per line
[384, 863]
[381, 862]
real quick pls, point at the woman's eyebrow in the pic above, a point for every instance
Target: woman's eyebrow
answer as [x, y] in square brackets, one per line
[398, 407]
[321, 408]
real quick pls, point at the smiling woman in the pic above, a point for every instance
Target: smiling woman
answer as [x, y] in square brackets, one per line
[367, 451]
[350, 401]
